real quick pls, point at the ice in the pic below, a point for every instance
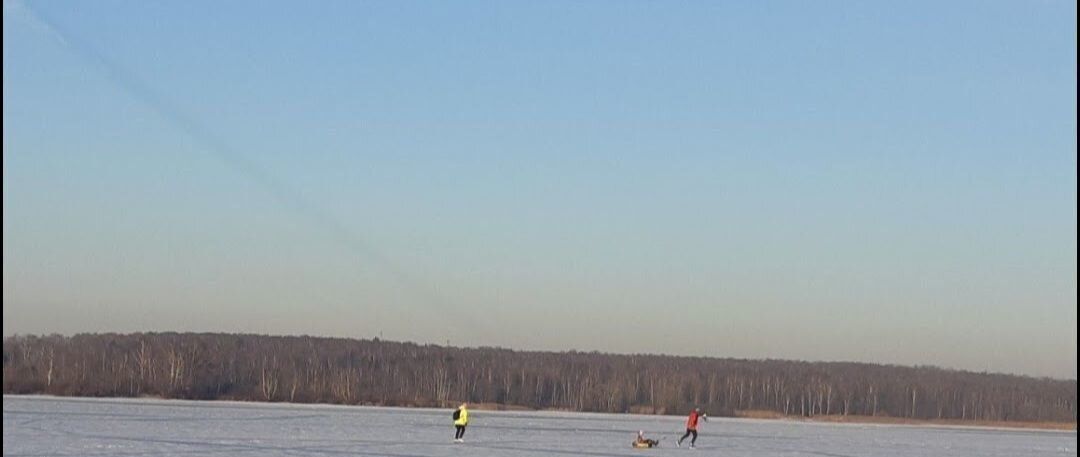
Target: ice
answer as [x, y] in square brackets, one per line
[40, 426]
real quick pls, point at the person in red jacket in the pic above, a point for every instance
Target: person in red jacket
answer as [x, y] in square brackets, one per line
[691, 426]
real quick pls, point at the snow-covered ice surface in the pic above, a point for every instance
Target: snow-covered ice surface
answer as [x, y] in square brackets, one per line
[48, 426]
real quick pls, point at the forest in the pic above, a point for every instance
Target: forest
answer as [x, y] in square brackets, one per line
[307, 369]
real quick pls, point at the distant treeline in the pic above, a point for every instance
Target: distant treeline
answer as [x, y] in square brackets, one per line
[348, 371]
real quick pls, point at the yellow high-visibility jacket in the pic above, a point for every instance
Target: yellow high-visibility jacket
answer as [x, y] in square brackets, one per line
[463, 418]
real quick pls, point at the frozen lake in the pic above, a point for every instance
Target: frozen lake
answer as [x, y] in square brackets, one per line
[47, 426]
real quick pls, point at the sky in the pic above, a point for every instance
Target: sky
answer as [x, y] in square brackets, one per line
[885, 182]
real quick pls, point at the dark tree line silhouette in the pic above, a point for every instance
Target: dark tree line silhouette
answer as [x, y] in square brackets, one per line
[349, 371]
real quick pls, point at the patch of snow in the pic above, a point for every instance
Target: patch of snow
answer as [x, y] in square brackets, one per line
[37, 425]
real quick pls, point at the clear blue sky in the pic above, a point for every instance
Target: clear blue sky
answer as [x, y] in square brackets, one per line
[871, 181]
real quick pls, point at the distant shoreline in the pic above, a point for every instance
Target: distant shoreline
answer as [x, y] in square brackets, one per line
[850, 419]
[886, 420]
[209, 366]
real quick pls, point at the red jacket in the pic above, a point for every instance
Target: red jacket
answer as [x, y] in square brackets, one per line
[691, 422]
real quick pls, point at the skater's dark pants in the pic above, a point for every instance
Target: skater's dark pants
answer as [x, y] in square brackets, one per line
[460, 432]
[688, 433]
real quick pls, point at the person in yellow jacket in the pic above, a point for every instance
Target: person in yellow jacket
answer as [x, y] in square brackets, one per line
[461, 419]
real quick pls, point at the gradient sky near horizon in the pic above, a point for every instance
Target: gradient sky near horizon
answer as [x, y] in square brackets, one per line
[889, 182]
